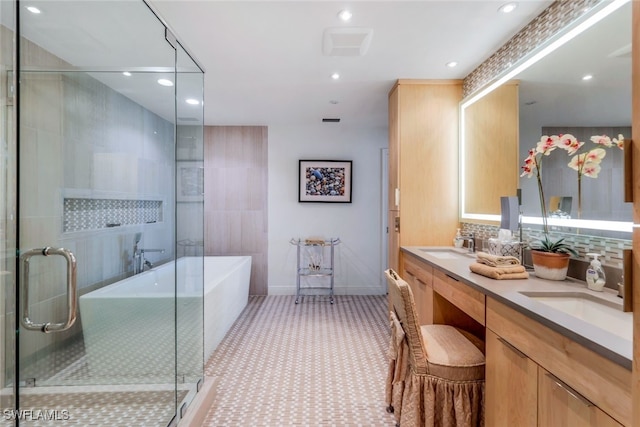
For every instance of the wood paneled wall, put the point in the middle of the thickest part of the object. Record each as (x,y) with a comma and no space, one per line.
(235,202)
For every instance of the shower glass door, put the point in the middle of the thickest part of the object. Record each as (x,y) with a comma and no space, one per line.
(95,279)
(7,212)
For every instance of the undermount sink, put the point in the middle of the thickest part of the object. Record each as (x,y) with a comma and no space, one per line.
(447,253)
(600,312)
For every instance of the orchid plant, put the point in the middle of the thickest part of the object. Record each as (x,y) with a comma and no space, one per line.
(585,163)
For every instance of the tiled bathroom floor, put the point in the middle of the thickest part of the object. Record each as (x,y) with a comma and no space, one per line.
(308,364)
(66,389)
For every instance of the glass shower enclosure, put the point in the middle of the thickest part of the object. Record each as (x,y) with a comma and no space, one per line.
(101,308)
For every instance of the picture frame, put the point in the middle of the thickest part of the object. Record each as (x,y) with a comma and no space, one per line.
(325,181)
(189,181)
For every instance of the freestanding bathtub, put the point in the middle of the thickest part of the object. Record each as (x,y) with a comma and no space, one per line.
(129,327)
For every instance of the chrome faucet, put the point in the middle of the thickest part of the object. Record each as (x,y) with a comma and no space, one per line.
(145,262)
(472,241)
(139,261)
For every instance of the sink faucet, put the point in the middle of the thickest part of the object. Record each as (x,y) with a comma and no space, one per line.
(470,238)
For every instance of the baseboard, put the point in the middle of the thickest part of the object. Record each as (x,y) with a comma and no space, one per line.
(200,406)
(359,290)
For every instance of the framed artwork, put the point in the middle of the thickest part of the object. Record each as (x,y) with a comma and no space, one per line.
(189,181)
(324,181)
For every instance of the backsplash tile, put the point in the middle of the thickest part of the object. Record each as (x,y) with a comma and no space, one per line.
(609,248)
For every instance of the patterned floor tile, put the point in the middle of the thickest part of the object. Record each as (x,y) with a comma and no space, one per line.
(308,364)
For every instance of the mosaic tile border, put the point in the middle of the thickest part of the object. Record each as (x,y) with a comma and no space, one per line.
(535,34)
(80,214)
(610,248)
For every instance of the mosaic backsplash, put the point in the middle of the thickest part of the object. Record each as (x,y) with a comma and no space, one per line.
(96,214)
(610,249)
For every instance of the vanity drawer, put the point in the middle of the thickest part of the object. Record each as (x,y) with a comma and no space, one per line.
(422,271)
(462,296)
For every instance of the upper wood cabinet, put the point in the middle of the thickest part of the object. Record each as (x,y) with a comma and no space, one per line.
(423,162)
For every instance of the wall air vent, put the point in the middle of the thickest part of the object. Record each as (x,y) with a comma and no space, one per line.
(330,120)
(349,41)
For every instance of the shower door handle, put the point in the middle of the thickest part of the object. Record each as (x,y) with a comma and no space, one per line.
(72,290)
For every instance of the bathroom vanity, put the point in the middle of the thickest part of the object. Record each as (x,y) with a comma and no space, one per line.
(556,352)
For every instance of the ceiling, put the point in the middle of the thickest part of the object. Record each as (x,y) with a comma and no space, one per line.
(264,60)
(265,65)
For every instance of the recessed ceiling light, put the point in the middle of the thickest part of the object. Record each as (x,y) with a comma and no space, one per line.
(508,8)
(335,76)
(345,15)
(126,73)
(33,9)
(192,101)
(451,64)
(165,82)
(587,77)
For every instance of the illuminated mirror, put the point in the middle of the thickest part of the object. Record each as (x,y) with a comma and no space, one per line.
(544,94)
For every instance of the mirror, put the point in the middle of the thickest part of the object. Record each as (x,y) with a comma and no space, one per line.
(551,98)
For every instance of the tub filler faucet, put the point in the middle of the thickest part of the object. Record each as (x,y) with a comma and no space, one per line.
(139,260)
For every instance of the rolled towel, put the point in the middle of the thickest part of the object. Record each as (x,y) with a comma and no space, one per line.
(496,260)
(500,273)
(314,242)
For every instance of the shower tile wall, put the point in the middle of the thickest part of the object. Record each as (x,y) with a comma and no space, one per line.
(87,141)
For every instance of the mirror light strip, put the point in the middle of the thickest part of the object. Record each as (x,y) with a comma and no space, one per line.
(623,226)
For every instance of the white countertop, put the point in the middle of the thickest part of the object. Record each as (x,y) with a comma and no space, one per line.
(616,346)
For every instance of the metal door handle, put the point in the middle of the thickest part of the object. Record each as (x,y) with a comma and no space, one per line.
(72,290)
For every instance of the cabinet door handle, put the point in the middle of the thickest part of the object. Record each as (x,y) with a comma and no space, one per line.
(512,348)
(420,281)
(628,171)
(569,390)
(627,262)
(452,278)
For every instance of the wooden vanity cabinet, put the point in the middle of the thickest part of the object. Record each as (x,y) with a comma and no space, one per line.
(511,390)
(535,367)
(560,405)
(519,392)
(419,275)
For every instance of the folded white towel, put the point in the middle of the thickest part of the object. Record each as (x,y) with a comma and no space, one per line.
(496,260)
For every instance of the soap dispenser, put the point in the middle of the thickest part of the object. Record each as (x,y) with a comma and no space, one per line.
(595,274)
(458,241)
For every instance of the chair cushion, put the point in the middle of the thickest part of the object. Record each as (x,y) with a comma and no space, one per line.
(450,355)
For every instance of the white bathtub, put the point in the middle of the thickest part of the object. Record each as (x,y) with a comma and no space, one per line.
(129,326)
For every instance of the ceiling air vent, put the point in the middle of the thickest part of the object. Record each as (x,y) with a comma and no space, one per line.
(330,120)
(349,41)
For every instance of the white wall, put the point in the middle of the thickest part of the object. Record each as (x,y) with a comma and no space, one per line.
(358,224)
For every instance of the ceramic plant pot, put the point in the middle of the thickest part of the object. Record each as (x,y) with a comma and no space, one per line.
(549,265)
